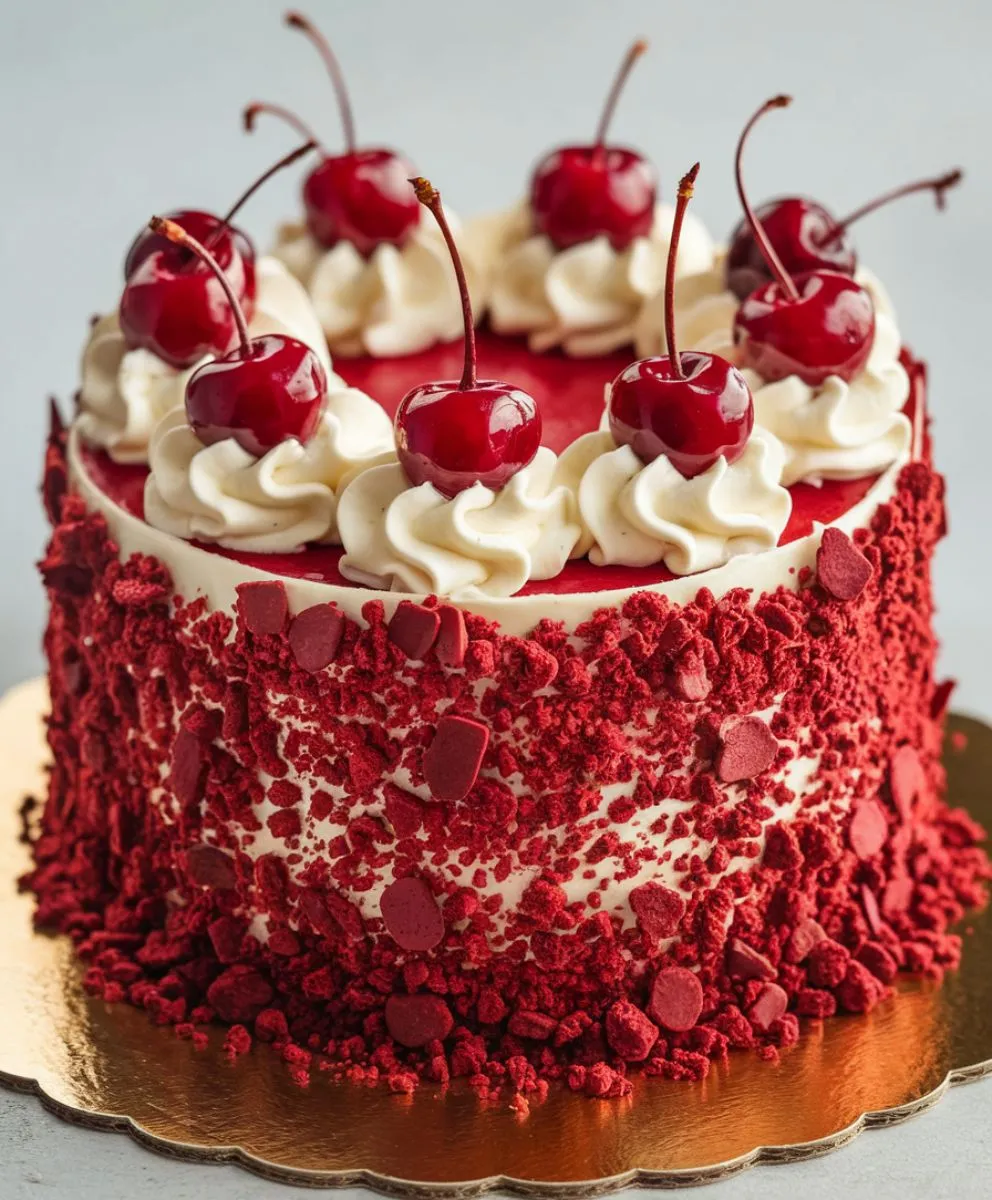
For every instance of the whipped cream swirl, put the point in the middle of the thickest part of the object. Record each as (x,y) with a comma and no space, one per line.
(397,301)
(835,431)
(587,298)
(639,514)
(479,543)
(273,504)
(125,393)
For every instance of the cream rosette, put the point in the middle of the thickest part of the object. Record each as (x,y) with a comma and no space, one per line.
(277,503)
(125,393)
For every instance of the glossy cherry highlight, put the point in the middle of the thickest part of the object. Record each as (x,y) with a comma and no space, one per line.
(689,407)
(819,324)
(578,193)
(454,434)
(361,196)
(264,391)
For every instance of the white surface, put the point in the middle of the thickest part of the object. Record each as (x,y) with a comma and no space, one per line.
(114,111)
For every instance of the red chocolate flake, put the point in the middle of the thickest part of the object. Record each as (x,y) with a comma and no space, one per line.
(807,934)
(841,568)
(454,757)
(769,1005)
(658,909)
(189,767)
(207,866)
(264,606)
(535,1026)
(941,699)
(411,914)
(905,779)
(314,636)
(629,1032)
(870,906)
(414,628)
(226,936)
(676,999)
(868,829)
(748,748)
(879,961)
(744,962)
(452,636)
(331,914)
(415,1021)
(54,482)
(239,994)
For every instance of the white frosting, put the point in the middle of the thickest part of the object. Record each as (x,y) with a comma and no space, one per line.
(585,299)
(125,393)
(835,431)
(641,514)
(397,301)
(276,503)
(479,543)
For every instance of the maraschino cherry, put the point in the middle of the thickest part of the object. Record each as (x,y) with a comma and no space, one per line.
(806,237)
(691,407)
(819,324)
(362,196)
(263,392)
(456,433)
(172,304)
(578,193)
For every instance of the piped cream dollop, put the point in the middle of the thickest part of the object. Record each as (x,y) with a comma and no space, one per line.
(398,301)
(274,504)
(480,543)
(585,299)
(638,514)
(125,393)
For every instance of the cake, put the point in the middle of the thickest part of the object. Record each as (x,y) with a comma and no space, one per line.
(529,737)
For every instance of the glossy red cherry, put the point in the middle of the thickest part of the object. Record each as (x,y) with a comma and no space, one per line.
(263,392)
(690,407)
(456,433)
(581,192)
(820,324)
(362,196)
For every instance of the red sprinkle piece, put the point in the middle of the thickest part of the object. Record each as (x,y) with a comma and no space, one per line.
(411,914)
(807,934)
(454,757)
(209,867)
(188,768)
(629,1032)
(264,606)
(770,1004)
(315,635)
(676,999)
(416,1020)
(868,829)
(841,568)
(906,779)
(748,748)
(239,994)
(658,909)
(744,962)
(414,629)
(452,637)
(941,699)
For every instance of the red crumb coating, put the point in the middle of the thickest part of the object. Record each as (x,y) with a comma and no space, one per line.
(257,903)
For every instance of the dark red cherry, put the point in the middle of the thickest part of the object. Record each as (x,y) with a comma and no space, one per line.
(691,407)
(226,243)
(819,324)
(362,196)
(581,192)
(456,433)
(826,329)
(261,393)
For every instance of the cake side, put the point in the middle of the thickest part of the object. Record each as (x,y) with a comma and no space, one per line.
(428,846)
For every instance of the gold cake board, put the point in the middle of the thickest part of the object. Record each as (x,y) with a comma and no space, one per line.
(109,1068)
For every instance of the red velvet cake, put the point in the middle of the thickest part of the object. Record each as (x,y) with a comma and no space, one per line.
(557,728)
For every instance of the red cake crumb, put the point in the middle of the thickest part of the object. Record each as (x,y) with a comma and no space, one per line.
(178,908)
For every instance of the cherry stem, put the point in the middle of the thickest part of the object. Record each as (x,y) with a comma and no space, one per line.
(298,21)
(247,194)
(251,111)
(430,198)
(764,245)
(938,186)
(686,187)
(175,233)
(619,82)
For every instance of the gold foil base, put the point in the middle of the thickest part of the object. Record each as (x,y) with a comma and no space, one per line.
(108,1067)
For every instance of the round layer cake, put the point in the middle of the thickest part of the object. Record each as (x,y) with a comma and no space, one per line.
(612,762)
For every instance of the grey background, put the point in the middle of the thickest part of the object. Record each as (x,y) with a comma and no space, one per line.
(113,110)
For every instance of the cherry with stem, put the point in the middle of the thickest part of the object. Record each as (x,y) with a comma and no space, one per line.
(687,185)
